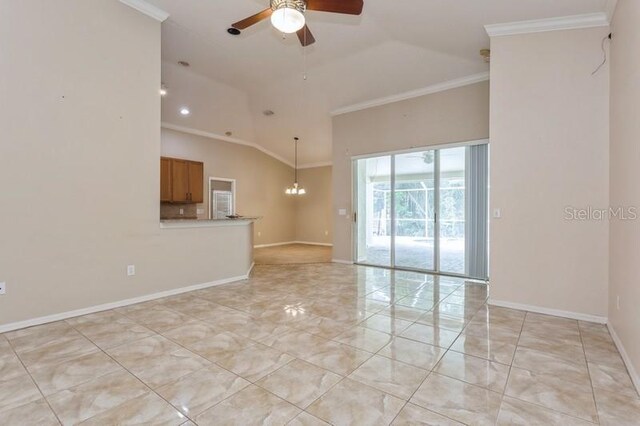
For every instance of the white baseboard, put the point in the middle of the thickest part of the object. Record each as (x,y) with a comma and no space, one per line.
(635,378)
(251,269)
(293,242)
(273,244)
(311,243)
(548,311)
(107,306)
(344,262)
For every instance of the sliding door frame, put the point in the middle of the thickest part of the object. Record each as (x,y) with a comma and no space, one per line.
(436,220)
(394,225)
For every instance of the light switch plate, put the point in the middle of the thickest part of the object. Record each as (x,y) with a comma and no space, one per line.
(131,270)
(3,288)
(497,213)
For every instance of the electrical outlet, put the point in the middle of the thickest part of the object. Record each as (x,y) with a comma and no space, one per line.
(497,213)
(181,211)
(3,288)
(131,270)
(618,302)
(200,211)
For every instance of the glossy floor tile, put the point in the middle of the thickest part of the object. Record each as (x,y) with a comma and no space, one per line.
(317,344)
(458,400)
(251,406)
(352,403)
(299,382)
(474,370)
(390,376)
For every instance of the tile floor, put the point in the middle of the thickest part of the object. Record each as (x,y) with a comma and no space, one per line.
(292,254)
(315,345)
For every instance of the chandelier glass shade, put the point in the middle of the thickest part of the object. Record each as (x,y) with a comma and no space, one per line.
(296,188)
(288,15)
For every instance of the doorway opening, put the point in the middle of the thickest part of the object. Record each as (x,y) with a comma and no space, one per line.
(222,197)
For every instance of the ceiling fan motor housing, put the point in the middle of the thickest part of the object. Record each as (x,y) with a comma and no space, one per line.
(299,5)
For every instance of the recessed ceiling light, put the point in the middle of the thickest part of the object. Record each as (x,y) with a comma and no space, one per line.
(184,63)
(185,111)
(233,31)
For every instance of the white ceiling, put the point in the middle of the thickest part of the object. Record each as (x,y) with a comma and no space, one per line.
(395,46)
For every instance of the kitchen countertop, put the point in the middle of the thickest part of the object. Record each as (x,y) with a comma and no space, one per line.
(203,223)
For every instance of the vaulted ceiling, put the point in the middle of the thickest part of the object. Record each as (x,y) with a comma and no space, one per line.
(395,46)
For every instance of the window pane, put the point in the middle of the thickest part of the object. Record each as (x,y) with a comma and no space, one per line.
(414,210)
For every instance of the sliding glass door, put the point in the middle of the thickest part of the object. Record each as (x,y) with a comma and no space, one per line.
(414,210)
(424,210)
(374,211)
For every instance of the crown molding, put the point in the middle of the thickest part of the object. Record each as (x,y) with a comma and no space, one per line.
(314,165)
(224,138)
(147,8)
(434,88)
(588,20)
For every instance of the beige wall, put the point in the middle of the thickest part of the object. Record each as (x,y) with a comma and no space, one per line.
(455,115)
(549,151)
(79,170)
(260,181)
(625,179)
(313,210)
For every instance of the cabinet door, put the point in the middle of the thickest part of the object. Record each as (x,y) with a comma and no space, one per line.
(196,184)
(179,181)
(165,179)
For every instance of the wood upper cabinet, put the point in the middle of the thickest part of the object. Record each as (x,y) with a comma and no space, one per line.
(181,181)
(196,175)
(165,180)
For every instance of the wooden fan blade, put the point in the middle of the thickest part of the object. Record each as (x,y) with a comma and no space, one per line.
(349,7)
(251,20)
(305,36)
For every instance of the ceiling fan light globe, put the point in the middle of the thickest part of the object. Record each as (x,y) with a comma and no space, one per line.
(287,20)
(301,191)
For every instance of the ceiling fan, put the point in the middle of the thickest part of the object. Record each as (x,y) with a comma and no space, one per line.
(288,15)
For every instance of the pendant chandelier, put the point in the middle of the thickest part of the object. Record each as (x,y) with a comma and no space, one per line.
(296,189)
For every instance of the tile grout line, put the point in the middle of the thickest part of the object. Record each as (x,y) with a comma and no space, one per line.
(229,371)
(34,382)
(431,371)
(593,392)
(360,323)
(392,336)
(513,358)
(130,372)
(553,410)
